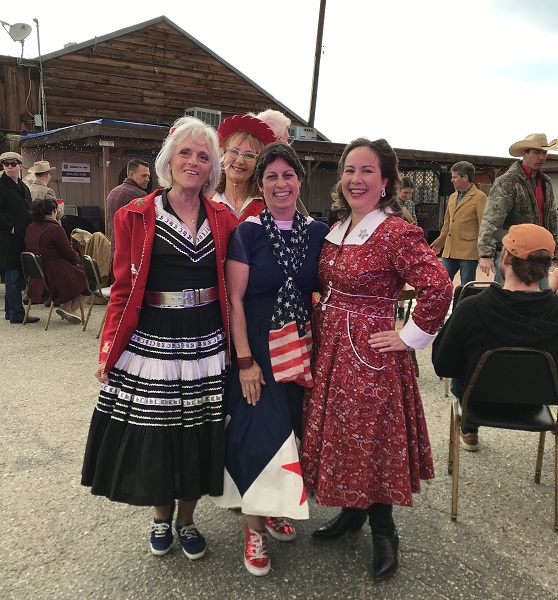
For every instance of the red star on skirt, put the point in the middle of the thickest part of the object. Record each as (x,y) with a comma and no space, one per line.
(295,468)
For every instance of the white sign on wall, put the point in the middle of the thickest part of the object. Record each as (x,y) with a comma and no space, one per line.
(76,172)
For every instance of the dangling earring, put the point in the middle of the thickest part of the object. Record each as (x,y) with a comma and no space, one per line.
(383,194)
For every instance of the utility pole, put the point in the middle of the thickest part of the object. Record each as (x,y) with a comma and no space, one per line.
(317,57)
(41,80)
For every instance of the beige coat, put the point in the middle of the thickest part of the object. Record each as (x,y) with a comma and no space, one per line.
(460,231)
(40,190)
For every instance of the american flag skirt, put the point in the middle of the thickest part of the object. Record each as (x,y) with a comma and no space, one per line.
(290,354)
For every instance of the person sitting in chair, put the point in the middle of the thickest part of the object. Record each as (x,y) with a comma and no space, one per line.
(65,277)
(517,314)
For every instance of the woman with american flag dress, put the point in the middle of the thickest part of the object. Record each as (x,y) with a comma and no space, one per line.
(271,272)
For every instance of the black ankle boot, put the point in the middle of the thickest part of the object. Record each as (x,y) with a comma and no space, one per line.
(349,519)
(386,546)
(385,541)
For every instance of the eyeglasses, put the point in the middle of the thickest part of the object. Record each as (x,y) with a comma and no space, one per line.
(290,140)
(10,163)
(247,156)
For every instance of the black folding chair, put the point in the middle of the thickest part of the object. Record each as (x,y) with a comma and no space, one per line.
(95,287)
(33,268)
(470,289)
(518,402)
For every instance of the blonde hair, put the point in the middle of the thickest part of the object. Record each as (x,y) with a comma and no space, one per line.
(257,146)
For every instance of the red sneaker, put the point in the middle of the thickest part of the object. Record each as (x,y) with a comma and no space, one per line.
(280,529)
(256,558)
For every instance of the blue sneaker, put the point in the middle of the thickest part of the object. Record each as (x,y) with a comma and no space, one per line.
(161,535)
(193,542)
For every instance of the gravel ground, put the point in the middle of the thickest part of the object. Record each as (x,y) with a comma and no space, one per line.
(60,542)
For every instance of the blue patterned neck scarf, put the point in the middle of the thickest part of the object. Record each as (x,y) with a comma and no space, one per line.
(289,305)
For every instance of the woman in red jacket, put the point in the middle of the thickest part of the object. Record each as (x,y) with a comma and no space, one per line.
(242,138)
(156,437)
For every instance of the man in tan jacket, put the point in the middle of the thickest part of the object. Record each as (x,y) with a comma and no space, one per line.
(39,188)
(460,231)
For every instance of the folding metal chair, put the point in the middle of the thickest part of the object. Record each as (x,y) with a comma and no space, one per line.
(516,402)
(33,268)
(96,290)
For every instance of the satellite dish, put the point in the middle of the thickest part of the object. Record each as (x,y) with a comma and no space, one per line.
(19,31)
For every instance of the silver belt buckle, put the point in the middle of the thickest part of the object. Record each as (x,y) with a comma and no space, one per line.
(190,297)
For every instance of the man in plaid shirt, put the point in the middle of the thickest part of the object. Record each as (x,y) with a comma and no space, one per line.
(134,186)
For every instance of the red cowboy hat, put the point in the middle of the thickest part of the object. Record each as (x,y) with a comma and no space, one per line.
(247,124)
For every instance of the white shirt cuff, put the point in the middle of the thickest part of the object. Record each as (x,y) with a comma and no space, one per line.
(414,336)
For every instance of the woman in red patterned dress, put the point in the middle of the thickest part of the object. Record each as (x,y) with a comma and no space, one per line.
(365,443)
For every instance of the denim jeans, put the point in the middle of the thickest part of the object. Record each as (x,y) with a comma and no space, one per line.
(14,283)
(467,268)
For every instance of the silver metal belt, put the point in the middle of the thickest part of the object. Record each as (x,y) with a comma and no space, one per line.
(183,298)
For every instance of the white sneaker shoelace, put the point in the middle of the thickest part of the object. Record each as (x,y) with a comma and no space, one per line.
(160,529)
(189,532)
(257,544)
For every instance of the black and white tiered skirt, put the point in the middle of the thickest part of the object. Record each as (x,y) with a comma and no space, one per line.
(157,432)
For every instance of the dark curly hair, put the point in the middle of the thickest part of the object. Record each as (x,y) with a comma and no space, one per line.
(388,167)
(272,152)
(43,208)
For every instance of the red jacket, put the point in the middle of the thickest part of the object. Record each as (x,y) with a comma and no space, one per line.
(253,209)
(134,227)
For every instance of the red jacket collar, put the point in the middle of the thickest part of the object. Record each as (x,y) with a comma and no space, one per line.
(141,205)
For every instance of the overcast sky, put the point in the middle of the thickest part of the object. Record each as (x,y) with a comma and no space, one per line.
(470,77)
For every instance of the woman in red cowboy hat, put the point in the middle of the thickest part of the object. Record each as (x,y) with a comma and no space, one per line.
(241,138)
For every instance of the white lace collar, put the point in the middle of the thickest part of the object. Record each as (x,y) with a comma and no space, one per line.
(360,233)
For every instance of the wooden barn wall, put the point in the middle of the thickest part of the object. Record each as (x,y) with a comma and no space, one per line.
(148,76)
(83,194)
(18,96)
(318,197)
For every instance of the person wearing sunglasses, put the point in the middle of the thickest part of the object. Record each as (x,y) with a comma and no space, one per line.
(15,201)
(241,139)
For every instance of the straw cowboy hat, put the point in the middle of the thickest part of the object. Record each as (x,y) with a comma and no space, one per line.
(533,141)
(41,166)
(247,124)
